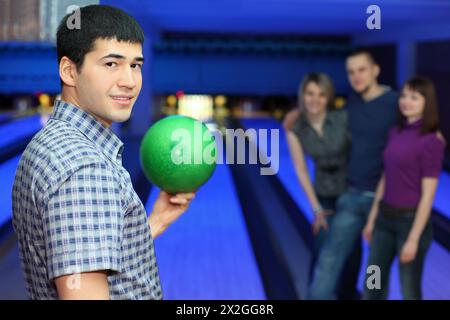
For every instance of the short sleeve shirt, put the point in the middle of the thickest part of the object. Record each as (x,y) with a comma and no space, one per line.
(369,123)
(409,157)
(75,210)
(329,151)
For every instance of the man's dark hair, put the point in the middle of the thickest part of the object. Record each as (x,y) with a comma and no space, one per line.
(363,51)
(97,22)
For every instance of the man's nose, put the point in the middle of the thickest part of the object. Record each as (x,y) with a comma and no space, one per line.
(127,78)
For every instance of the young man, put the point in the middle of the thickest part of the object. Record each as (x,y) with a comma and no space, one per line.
(372,111)
(83,232)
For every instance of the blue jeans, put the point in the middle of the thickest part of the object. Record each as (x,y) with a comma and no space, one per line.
(352,210)
(347,284)
(389,236)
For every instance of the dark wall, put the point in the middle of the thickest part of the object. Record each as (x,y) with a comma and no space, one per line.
(237,67)
(241,74)
(245,65)
(28,68)
(433,61)
(386,56)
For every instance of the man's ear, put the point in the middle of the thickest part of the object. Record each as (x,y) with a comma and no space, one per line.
(376,70)
(67,71)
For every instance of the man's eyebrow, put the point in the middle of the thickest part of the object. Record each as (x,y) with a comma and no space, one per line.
(118,56)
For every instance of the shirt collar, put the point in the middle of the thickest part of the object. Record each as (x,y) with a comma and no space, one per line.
(93,129)
(359,97)
(328,120)
(415,125)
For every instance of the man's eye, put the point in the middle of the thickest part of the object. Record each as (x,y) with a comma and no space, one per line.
(111,64)
(136,66)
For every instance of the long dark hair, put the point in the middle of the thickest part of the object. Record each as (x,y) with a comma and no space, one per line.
(430,117)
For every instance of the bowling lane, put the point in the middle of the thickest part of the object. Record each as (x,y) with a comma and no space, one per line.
(435,278)
(4,118)
(286,172)
(441,202)
(10,133)
(207,253)
(11,277)
(18,129)
(7,172)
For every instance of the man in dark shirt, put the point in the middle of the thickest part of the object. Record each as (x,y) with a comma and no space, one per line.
(372,111)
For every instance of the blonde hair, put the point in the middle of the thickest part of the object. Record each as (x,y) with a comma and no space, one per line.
(323,81)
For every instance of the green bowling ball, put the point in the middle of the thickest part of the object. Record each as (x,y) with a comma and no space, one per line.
(178,154)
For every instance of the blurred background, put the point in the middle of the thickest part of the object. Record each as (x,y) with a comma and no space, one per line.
(230,63)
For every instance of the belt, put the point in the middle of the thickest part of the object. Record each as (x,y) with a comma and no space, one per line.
(391,211)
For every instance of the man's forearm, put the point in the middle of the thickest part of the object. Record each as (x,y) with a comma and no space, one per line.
(156,226)
(422,216)
(429,186)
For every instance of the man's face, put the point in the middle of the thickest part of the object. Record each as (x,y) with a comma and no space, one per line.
(110,80)
(361,72)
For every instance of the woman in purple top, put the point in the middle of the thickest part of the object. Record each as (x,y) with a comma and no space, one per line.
(404,197)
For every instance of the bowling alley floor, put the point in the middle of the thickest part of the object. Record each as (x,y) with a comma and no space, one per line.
(12,284)
(208,255)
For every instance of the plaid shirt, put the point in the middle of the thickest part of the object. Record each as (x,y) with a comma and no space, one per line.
(75,210)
